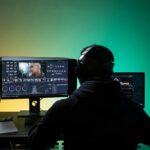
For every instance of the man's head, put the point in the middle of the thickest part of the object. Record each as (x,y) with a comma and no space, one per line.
(36,70)
(95,63)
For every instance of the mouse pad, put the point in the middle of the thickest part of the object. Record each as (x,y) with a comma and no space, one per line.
(7,127)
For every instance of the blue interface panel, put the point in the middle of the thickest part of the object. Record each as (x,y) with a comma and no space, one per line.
(33,78)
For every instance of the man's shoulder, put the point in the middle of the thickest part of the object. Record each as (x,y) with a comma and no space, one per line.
(61,108)
(65,103)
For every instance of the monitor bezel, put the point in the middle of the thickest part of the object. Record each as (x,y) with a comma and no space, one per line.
(143,81)
(72,80)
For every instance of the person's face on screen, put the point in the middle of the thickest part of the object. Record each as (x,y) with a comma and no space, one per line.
(36,70)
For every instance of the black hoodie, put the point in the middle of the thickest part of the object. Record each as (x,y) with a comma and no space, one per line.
(96,116)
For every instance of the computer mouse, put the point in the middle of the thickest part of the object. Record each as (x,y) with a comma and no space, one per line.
(9,118)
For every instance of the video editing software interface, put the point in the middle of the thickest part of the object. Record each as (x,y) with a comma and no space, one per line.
(132,85)
(33,77)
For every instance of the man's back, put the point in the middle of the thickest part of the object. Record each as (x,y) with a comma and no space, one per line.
(96,116)
(101,117)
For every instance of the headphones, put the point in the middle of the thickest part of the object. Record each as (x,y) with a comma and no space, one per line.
(82,71)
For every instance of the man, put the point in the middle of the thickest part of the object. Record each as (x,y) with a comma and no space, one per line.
(97,115)
(35,70)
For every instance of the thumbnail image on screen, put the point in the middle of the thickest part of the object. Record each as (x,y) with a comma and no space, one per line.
(132,85)
(35,69)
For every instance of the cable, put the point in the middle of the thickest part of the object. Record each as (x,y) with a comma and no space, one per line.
(10,146)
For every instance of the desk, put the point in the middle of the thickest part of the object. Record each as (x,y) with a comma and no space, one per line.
(20,137)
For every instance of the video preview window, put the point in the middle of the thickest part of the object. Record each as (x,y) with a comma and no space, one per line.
(32,70)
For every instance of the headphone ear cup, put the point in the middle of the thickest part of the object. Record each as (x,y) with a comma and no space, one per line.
(81,72)
(78,71)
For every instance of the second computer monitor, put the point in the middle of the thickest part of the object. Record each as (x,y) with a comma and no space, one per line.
(133,85)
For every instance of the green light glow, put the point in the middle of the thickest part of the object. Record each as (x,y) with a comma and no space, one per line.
(63,28)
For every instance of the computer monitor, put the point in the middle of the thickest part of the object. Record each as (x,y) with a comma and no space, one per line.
(133,85)
(35,78)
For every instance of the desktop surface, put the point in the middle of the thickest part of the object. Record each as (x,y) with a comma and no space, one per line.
(22,133)
(21,137)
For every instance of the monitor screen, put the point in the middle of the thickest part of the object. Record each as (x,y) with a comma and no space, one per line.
(37,77)
(132,84)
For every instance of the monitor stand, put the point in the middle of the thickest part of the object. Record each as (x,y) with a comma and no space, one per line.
(34,109)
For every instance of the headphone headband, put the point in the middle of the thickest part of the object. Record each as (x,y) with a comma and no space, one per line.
(85,51)
(98,52)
